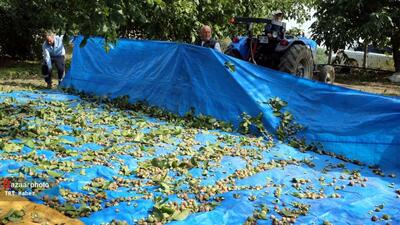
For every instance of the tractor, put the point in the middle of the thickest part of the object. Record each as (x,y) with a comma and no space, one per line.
(274,50)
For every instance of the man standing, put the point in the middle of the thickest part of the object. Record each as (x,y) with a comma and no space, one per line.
(277,17)
(53,53)
(206,39)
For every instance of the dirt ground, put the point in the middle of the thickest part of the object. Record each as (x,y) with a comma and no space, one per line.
(369,81)
(34,214)
(383,88)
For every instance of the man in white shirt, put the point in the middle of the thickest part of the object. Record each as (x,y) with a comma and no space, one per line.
(207,40)
(53,53)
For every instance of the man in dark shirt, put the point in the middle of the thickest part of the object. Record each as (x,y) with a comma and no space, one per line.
(207,40)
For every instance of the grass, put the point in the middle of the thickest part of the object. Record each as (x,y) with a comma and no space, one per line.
(23,75)
(20,70)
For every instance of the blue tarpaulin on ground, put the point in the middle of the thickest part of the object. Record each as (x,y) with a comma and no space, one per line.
(177,77)
(355,206)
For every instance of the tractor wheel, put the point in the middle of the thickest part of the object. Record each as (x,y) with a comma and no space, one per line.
(297,60)
(233,52)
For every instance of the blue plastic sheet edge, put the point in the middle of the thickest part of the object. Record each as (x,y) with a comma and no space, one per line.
(176,76)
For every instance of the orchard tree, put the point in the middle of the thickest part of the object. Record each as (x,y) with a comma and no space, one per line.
(343,23)
(295,32)
(180,20)
(331,29)
(21,23)
(175,20)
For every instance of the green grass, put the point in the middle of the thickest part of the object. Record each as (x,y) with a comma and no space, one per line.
(27,69)
(23,75)
(20,70)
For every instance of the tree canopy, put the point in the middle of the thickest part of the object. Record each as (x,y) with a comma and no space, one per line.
(343,23)
(21,21)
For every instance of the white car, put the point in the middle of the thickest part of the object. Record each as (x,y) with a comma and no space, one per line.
(354,57)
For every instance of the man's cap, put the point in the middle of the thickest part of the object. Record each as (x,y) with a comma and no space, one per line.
(276,12)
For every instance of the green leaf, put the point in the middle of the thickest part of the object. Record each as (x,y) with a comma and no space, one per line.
(107,48)
(215,204)
(165,186)
(71,152)
(29,143)
(13,171)
(84,42)
(54,174)
(12,216)
(288,213)
(67,207)
(11,147)
(181,215)
(63,192)
(9,213)
(84,208)
(277,114)
(298,195)
(138,137)
(87,158)
(162,201)
(125,170)
(65,141)
(168,210)
(230,66)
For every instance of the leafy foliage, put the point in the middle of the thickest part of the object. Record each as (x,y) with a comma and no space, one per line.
(12,216)
(287,128)
(295,32)
(343,23)
(190,119)
(20,25)
(21,21)
(248,122)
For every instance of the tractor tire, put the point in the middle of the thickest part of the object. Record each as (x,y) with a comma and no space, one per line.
(233,52)
(297,60)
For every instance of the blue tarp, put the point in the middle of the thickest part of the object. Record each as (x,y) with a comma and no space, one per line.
(177,77)
(355,206)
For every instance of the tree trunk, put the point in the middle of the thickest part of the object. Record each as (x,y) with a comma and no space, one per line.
(365,54)
(330,56)
(396,50)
